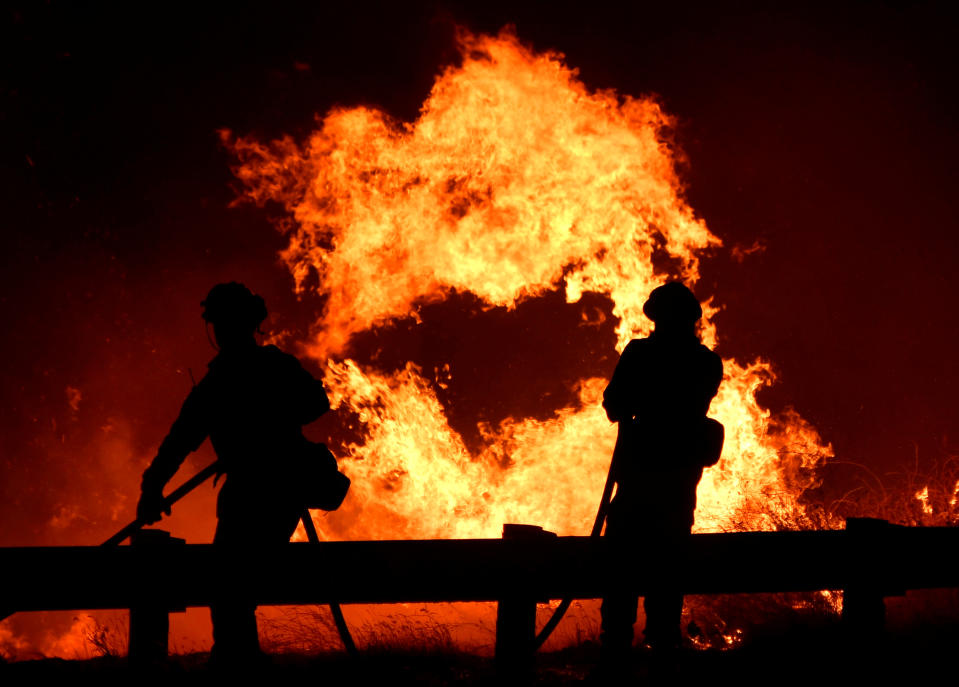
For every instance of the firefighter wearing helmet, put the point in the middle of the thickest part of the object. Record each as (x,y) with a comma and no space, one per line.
(252,404)
(659,394)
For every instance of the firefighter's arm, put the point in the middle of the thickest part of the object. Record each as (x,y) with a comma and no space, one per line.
(715,375)
(185,436)
(616,464)
(616,396)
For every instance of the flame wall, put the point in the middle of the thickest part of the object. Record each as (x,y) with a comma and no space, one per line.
(515,181)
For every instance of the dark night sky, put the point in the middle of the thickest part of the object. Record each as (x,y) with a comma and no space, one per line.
(825,134)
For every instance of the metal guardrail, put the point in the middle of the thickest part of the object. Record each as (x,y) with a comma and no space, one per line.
(868,560)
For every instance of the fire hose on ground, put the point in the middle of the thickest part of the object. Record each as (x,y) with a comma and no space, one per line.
(711,446)
(601,513)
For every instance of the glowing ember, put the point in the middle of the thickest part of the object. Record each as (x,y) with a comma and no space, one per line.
(515,181)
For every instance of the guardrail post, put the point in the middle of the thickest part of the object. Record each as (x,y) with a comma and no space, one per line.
(149,616)
(516,618)
(863,602)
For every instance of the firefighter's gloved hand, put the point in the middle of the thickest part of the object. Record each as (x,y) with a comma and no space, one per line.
(151,506)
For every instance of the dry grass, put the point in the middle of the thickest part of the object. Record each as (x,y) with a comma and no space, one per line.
(108,637)
(910,497)
(303,630)
(309,630)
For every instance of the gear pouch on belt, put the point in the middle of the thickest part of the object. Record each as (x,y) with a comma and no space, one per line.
(710,442)
(324,485)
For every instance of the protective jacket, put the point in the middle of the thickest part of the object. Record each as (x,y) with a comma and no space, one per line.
(660,393)
(252,404)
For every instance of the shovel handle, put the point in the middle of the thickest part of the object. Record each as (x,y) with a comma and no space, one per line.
(174,496)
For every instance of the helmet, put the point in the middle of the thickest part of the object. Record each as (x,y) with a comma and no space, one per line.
(672,301)
(234,303)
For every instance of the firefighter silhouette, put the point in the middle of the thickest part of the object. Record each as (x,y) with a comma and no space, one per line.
(251,403)
(659,394)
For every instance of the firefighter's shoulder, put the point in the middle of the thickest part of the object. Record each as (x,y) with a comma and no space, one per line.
(638,347)
(280,359)
(712,360)
(276,356)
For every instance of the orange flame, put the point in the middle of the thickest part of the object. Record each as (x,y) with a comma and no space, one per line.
(515,180)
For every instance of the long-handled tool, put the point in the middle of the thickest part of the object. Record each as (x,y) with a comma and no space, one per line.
(168,501)
(184,489)
(198,479)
